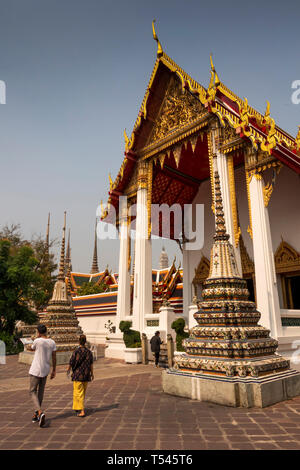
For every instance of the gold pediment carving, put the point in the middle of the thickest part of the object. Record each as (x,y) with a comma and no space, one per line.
(178,108)
(202,271)
(287,259)
(246,261)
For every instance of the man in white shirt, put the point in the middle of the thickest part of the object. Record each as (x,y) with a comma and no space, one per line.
(45,350)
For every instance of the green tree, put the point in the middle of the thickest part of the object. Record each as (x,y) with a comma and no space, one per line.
(89,288)
(45,266)
(20,285)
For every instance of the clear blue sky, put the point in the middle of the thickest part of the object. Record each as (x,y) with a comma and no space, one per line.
(76,72)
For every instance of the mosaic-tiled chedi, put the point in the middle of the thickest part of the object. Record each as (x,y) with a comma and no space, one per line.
(228,340)
(60,320)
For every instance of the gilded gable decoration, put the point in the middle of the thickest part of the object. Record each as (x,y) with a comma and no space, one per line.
(193,141)
(177,154)
(246,261)
(287,259)
(202,271)
(178,108)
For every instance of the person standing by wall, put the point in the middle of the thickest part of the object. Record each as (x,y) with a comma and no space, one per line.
(155,343)
(81,363)
(45,350)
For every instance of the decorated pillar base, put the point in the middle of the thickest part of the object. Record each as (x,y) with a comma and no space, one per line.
(115,346)
(62,357)
(246,392)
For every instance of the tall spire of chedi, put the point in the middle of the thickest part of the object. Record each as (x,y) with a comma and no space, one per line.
(47,241)
(95,268)
(68,267)
(68,263)
(228,340)
(60,320)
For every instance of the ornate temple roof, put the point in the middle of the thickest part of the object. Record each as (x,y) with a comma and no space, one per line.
(217,100)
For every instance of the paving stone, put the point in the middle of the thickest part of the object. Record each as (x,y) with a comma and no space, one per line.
(131,412)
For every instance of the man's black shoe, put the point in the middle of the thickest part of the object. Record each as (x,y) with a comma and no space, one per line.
(42,419)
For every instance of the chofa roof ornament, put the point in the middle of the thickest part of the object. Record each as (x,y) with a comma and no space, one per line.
(159,48)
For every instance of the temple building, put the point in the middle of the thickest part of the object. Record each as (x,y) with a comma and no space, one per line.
(94,311)
(185,132)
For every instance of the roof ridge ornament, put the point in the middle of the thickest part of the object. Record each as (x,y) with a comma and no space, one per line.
(213,85)
(267,112)
(155,37)
(271,140)
(213,69)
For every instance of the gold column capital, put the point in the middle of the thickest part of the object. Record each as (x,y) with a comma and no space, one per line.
(142,177)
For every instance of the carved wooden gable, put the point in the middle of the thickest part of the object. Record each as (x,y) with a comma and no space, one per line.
(287,259)
(202,271)
(178,108)
(247,262)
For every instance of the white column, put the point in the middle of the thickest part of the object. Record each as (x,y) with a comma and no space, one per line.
(115,344)
(142,295)
(265,275)
(187,282)
(123,303)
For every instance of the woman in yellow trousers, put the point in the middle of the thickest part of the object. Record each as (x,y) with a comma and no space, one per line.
(81,363)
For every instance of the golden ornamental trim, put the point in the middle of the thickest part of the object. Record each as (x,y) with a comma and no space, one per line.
(267,193)
(174,137)
(178,108)
(248,180)
(298,140)
(149,195)
(129,244)
(211,169)
(142,175)
(236,227)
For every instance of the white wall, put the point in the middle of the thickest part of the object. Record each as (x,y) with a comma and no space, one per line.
(93,327)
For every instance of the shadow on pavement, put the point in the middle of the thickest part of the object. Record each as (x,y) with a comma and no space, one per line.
(71,413)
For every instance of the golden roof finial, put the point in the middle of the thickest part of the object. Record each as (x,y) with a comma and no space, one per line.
(211,63)
(126,139)
(159,48)
(267,117)
(110,181)
(213,69)
(267,112)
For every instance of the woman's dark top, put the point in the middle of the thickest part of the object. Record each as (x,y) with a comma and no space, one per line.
(80,362)
(155,343)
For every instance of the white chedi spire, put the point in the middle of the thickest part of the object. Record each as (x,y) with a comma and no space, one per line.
(163,259)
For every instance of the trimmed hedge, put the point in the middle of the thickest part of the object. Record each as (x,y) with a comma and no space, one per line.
(178,325)
(131,338)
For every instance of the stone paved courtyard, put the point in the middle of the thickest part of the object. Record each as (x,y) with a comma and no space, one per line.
(127,410)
